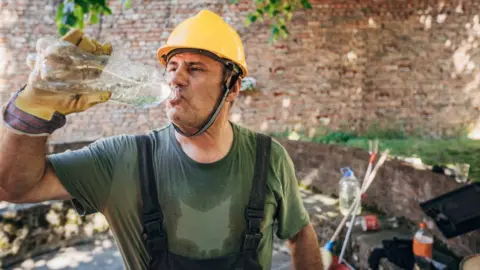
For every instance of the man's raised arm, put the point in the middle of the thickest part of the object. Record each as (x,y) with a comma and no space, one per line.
(36,111)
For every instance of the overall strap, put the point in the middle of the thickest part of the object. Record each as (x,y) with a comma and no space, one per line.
(152,216)
(255,211)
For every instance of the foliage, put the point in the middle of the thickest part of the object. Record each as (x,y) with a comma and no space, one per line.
(279,12)
(442,152)
(331,137)
(74,14)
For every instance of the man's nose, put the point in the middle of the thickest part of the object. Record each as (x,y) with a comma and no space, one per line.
(178,77)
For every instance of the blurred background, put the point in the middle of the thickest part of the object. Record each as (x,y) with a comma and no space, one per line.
(322,72)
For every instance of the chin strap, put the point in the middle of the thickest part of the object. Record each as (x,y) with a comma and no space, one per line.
(226,89)
(211,119)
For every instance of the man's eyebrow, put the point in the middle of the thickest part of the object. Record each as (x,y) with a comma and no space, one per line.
(196,63)
(189,63)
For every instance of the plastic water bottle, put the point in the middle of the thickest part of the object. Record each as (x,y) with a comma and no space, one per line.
(349,190)
(374,223)
(62,67)
(423,248)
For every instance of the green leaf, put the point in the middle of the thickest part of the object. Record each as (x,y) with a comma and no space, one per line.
(128,3)
(275,30)
(267,8)
(289,16)
(84,5)
(252,18)
(284,31)
(259,11)
(58,17)
(69,19)
(306,4)
(93,17)
(107,10)
(79,15)
(62,30)
(97,8)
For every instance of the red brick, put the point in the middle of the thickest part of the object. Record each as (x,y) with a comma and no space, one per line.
(315,72)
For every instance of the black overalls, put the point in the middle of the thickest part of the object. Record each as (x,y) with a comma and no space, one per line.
(156,239)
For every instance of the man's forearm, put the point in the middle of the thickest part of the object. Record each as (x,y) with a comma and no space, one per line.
(305,251)
(22,163)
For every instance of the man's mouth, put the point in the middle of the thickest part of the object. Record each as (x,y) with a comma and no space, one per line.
(175,100)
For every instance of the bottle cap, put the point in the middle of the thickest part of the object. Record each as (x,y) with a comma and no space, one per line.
(423,225)
(347,172)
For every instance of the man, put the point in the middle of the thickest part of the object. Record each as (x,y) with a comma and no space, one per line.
(186,196)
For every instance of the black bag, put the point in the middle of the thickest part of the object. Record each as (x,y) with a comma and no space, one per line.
(397,251)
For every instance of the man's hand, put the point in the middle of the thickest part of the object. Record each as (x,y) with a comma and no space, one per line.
(57,84)
(305,250)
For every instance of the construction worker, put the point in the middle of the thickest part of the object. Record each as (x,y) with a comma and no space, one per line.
(199,193)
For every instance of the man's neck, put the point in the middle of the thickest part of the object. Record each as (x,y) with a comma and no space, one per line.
(210,146)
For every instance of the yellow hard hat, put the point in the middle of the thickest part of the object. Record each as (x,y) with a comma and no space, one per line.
(206,31)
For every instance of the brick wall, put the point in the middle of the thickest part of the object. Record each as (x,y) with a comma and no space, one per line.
(345,64)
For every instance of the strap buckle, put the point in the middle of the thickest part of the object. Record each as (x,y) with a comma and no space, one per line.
(155,237)
(252,240)
(254,218)
(153,228)
(253,213)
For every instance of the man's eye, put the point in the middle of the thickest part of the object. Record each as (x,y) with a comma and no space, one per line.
(195,69)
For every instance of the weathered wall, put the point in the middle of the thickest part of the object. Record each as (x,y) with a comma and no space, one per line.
(351,63)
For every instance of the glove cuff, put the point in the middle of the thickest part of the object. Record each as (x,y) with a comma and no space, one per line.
(26,123)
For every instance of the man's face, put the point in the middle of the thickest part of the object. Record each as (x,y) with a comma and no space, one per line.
(196,82)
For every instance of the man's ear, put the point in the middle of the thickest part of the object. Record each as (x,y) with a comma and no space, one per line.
(234,91)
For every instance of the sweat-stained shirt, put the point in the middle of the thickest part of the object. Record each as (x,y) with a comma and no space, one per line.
(203,203)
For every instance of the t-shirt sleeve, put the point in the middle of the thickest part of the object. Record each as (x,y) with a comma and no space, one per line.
(87,173)
(291,213)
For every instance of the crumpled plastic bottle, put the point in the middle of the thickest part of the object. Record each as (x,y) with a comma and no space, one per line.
(60,66)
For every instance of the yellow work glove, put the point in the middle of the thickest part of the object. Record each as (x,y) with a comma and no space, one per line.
(58,84)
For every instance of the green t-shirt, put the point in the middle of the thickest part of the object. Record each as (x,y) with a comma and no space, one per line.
(203,204)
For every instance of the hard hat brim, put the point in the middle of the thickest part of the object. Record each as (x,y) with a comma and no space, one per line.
(163,52)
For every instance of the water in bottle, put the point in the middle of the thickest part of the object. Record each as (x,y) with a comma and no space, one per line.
(60,66)
(423,248)
(349,190)
(132,82)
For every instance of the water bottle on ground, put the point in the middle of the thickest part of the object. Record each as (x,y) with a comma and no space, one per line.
(423,248)
(349,190)
(374,223)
